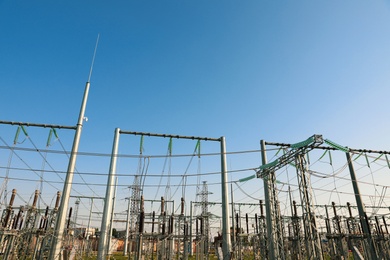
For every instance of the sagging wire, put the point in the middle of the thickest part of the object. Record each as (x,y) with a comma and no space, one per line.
(75,169)
(28,167)
(5,182)
(162,174)
(48,144)
(243,191)
(184,176)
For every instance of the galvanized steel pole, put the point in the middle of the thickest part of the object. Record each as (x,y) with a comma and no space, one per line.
(55,252)
(271,243)
(226,245)
(105,226)
(362,212)
(112,216)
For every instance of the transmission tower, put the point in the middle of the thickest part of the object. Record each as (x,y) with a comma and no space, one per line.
(204,221)
(297,153)
(134,206)
(205,215)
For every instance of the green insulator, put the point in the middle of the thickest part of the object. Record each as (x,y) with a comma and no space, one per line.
(55,133)
(337,146)
(368,163)
(170,146)
(17,135)
(247,178)
(197,148)
(49,137)
(387,160)
(322,156)
(307,142)
(378,157)
(268,165)
(24,131)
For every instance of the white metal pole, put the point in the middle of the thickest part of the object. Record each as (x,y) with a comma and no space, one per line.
(104,229)
(226,245)
(112,217)
(55,252)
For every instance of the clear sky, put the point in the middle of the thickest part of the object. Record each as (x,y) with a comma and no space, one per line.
(247,70)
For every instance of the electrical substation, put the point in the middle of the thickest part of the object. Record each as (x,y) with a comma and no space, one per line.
(163,196)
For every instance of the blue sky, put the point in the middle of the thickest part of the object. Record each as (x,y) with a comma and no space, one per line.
(247,70)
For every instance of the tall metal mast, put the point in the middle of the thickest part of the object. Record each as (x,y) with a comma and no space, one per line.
(105,227)
(55,252)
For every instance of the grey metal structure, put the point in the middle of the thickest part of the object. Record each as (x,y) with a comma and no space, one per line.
(274,225)
(108,202)
(134,209)
(312,238)
(61,217)
(275,245)
(226,246)
(372,254)
(204,220)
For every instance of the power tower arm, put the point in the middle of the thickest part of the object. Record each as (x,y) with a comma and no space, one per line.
(289,157)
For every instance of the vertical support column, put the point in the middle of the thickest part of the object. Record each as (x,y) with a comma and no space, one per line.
(127,228)
(233,226)
(87,231)
(108,200)
(112,217)
(296,233)
(191,242)
(55,252)
(274,232)
(141,221)
(361,209)
(263,233)
(89,221)
(233,223)
(226,246)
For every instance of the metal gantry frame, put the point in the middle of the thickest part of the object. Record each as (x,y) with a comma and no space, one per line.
(108,201)
(297,153)
(367,237)
(274,223)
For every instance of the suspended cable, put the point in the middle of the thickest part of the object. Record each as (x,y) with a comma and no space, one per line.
(75,169)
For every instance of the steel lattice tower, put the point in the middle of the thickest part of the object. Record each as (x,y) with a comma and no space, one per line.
(205,225)
(313,243)
(134,204)
(297,153)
